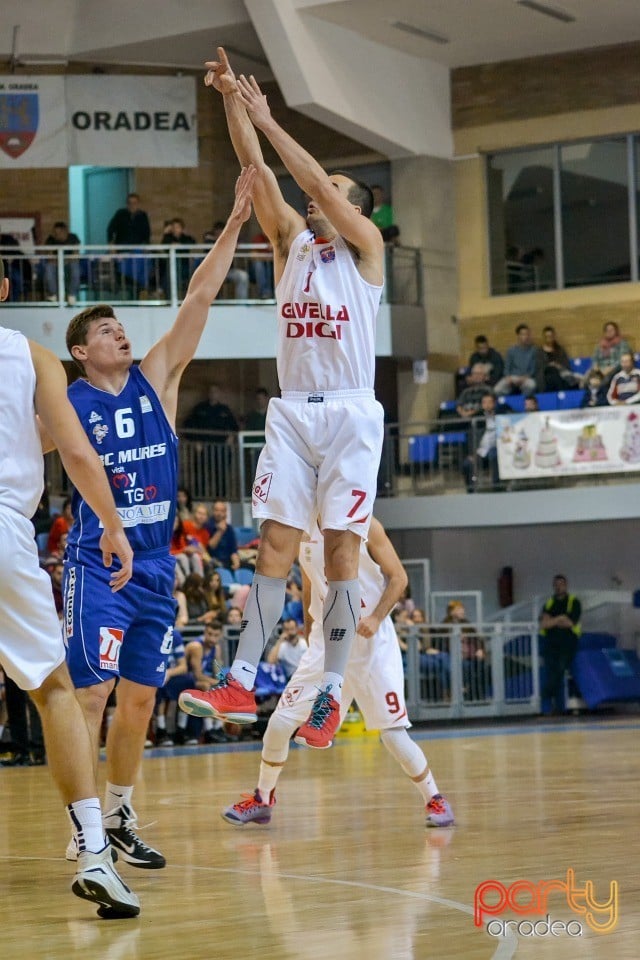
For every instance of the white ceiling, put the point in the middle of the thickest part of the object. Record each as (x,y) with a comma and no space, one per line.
(182,33)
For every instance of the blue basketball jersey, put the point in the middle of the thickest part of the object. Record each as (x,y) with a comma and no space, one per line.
(139,451)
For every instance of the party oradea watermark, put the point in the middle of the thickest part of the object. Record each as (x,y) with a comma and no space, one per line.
(530,901)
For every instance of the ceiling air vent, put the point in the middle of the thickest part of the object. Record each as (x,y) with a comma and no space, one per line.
(419,32)
(547,11)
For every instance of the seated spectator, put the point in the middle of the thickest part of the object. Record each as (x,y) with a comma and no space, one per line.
(486,454)
(204,657)
(222,544)
(198,529)
(293,608)
(521,368)
(237,276)
(288,648)
(257,418)
(489,357)
(215,593)
(469,403)
(556,365)
(607,354)
(176,679)
(187,551)
(531,405)
(595,394)
(435,663)
(175,235)
(60,237)
(60,528)
(197,599)
(475,671)
(625,384)
(185,503)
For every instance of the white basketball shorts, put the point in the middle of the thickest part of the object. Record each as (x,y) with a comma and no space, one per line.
(374,679)
(31,644)
(321,458)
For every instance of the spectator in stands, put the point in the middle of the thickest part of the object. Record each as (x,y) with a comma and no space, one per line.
(27,742)
(625,384)
(175,681)
(476,675)
(595,393)
(469,403)
(288,648)
(203,655)
(293,607)
(59,528)
(487,355)
(556,364)
(522,365)
(18,268)
(256,418)
(175,235)
(213,417)
(237,276)
(197,528)
(559,631)
(197,599)
(187,550)
(608,352)
(382,215)
(486,454)
(531,405)
(215,593)
(130,224)
(223,544)
(60,237)
(184,503)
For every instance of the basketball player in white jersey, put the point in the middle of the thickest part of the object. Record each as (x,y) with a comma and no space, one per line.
(324,436)
(374,678)
(32,653)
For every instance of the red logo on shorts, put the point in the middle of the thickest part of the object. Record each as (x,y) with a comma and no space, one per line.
(290,696)
(261,487)
(110,642)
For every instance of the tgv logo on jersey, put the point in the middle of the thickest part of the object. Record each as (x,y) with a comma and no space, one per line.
(309,312)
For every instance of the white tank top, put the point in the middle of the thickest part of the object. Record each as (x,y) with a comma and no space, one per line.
(372,580)
(326,319)
(21,465)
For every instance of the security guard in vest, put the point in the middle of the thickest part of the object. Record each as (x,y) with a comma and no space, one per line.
(560,631)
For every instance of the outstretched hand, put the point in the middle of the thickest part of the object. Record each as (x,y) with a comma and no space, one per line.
(219,74)
(254,100)
(244,192)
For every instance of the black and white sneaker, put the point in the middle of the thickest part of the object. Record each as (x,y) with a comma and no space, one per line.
(118,825)
(97,880)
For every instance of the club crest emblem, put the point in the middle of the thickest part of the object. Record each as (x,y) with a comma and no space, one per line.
(19,116)
(100,431)
(328,254)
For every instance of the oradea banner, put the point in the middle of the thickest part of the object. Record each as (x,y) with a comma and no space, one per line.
(97,120)
(563,443)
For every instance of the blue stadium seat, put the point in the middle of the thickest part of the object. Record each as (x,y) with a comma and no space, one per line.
(570,399)
(425,448)
(42,540)
(514,403)
(580,364)
(245,535)
(226,577)
(547,401)
(448,405)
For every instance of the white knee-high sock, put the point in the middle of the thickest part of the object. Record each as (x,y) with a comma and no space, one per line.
(412,760)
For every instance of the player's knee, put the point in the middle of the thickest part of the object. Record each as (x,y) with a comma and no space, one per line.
(275,742)
(341,554)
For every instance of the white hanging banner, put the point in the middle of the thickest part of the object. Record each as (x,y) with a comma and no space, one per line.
(564,443)
(130,121)
(97,120)
(32,122)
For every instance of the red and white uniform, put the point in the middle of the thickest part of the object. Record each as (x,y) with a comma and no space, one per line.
(31,638)
(324,436)
(374,676)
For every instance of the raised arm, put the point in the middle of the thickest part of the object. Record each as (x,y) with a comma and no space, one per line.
(312,179)
(279,221)
(79,458)
(164,364)
(382,552)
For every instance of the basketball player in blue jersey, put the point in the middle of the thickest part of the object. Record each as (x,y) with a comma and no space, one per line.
(128,413)
(32,381)
(324,434)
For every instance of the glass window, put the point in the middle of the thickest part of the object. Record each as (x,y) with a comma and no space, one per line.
(595,212)
(522,241)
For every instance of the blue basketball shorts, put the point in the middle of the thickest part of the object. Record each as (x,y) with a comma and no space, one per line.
(125,634)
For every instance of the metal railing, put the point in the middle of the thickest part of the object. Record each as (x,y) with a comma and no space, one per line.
(471,670)
(158,274)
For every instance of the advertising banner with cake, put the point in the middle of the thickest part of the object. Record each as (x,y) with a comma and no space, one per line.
(563,443)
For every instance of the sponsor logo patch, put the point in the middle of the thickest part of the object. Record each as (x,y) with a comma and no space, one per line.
(261,487)
(110,643)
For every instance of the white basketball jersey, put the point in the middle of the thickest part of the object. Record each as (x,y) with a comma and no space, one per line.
(326,319)
(21,465)
(371,577)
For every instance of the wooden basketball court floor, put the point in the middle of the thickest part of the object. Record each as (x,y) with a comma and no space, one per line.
(346,869)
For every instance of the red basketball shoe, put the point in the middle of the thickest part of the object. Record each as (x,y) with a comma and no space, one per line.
(319,730)
(228,701)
